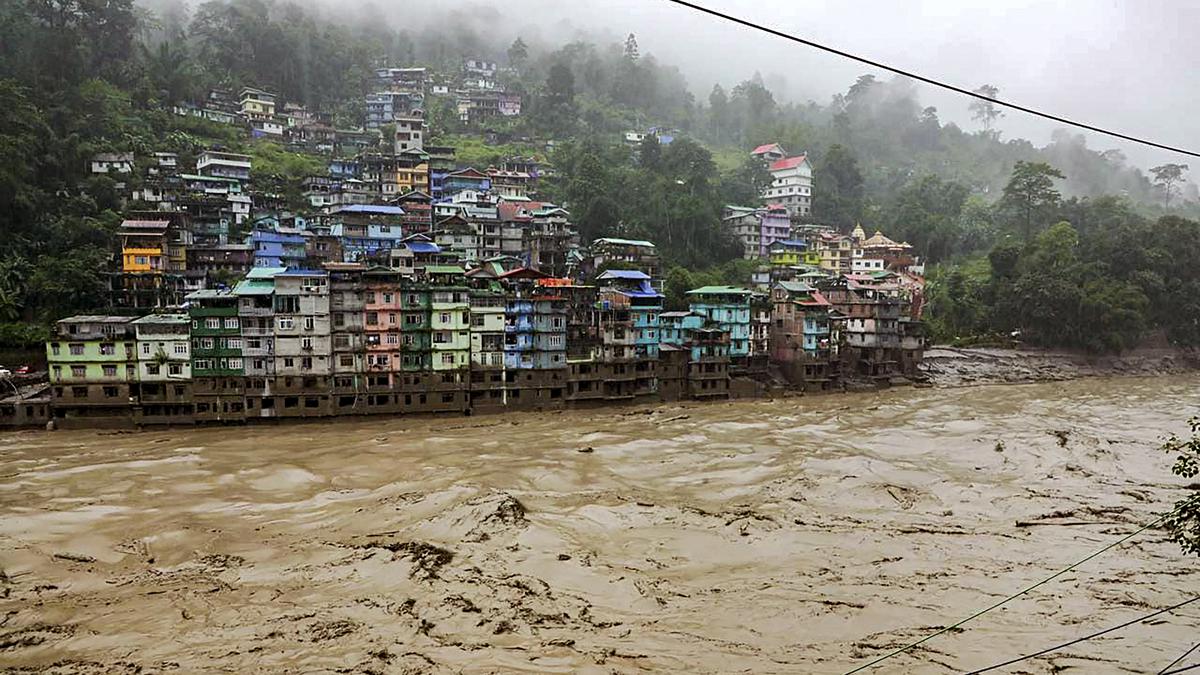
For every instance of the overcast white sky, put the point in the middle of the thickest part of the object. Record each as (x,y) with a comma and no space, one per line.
(1127,65)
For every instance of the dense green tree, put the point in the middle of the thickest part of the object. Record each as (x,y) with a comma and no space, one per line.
(837,189)
(1167,177)
(517,53)
(1030,194)
(984,111)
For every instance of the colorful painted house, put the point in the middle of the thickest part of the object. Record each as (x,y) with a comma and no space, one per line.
(728,307)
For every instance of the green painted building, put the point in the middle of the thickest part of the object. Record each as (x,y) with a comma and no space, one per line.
(449,317)
(216,334)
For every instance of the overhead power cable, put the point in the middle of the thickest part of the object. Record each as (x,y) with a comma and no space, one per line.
(929,80)
(1010,598)
(1180,670)
(1177,660)
(1085,637)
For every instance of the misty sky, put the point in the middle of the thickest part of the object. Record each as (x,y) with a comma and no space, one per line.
(1124,65)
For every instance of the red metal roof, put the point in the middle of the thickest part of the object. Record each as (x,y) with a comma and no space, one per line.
(765,148)
(788,163)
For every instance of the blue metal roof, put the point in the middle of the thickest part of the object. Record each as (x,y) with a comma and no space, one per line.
(422,246)
(371,208)
(636,275)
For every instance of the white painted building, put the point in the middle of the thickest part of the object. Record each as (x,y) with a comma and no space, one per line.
(791,185)
(164,351)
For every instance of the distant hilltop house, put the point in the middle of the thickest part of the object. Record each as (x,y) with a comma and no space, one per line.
(791,179)
(257,104)
(112,162)
(480,68)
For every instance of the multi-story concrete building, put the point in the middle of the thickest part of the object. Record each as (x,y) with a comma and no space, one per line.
(757,228)
(93,370)
(628,327)
(218,390)
(642,255)
(256,314)
(728,308)
(163,392)
(450,318)
(303,342)
(791,185)
(381,325)
(257,104)
(214,163)
(487,344)
(154,247)
(347,303)
(694,357)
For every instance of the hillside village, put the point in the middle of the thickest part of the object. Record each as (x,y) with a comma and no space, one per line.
(408,281)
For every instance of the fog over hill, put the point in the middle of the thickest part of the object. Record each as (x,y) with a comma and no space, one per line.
(1117,65)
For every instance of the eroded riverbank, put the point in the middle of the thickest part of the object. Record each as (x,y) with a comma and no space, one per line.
(798,535)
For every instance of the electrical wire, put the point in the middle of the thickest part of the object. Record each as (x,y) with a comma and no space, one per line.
(929,80)
(1180,658)
(1010,598)
(1180,670)
(1085,637)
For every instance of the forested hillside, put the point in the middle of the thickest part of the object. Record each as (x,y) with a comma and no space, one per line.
(78,78)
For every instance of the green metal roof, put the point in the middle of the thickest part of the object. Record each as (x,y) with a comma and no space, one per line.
(795,286)
(719,290)
(444,269)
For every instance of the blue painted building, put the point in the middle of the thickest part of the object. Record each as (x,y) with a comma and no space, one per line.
(644,307)
(367,231)
(277,246)
(728,308)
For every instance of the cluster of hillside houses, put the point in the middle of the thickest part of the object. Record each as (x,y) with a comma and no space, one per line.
(413,285)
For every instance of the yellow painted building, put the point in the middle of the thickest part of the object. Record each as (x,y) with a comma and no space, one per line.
(141,260)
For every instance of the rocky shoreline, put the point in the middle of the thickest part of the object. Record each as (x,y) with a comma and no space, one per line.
(956,367)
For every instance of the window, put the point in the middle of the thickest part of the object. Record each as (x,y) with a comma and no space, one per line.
(412,299)
(110,392)
(409,340)
(346,360)
(412,319)
(180,349)
(79,392)
(260,364)
(391,318)
(153,369)
(309,323)
(145,348)
(393,339)
(57,372)
(106,349)
(233,343)
(212,322)
(440,338)
(110,371)
(253,343)
(54,347)
(231,323)
(466,318)
(306,363)
(287,323)
(289,362)
(175,369)
(372,318)
(130,371)
(448,359)
(556,340)
(78,371)
(206,343)
(235,363)
(306,343)
(387,298)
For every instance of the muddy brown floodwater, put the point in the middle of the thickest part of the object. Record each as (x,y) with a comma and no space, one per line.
(796,535)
